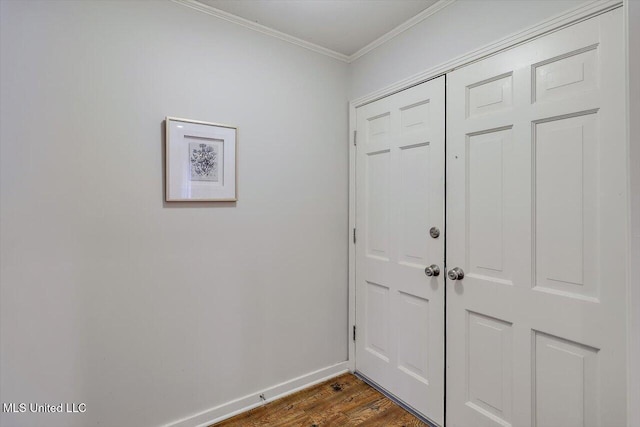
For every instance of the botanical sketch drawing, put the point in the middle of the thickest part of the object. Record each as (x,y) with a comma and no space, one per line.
(204,160)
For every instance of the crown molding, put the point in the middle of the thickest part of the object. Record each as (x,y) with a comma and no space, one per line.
(583,11)
(193,4)
(210,10)
(434,8)
(554,23)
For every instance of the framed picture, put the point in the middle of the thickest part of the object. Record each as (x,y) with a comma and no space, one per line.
(201,161)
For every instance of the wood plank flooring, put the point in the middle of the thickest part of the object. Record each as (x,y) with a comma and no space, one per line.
(343,401)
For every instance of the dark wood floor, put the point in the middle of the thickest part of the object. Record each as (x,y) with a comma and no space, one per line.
(341,402)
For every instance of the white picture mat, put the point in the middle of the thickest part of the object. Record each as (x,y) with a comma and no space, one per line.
(180,187)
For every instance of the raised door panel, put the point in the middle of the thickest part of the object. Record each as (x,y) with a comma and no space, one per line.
(487,171)
(566,75)
(377,208)
(377,317)
(566,207)
(491,95)
(565,382)
(413,322)
(489,368)
(413,205)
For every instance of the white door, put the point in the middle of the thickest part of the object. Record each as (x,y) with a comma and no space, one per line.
(399,199)
(536,219)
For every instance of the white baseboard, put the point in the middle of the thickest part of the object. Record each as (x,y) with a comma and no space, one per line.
(237,406)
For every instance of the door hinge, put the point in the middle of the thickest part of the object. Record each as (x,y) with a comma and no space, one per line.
(355,137)
(354,332)
(354,236)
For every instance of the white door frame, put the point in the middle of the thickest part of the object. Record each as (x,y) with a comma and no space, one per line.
(554,23)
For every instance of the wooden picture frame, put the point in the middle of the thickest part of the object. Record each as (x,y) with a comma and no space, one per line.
(200,161)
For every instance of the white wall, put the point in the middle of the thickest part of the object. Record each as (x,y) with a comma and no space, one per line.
(150,312)
(633,32)
(146,311)
(461,27)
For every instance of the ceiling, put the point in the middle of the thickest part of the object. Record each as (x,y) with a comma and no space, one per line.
(343,26)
